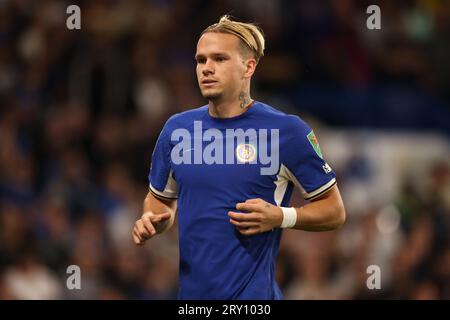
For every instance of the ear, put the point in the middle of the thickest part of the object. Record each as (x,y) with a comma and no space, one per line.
(249,68)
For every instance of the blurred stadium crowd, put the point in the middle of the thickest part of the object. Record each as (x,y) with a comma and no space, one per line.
(80,112)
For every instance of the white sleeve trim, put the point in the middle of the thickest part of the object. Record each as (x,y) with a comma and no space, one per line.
(322,189)
(286,173)
(170,191)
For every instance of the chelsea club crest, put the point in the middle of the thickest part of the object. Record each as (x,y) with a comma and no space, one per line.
(246,153)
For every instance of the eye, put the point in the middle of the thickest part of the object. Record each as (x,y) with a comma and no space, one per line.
(201,60)
(220,59)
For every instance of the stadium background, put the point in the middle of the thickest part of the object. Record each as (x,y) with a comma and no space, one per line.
(81,110)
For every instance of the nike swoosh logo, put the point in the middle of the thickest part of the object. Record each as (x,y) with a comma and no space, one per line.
(184,151)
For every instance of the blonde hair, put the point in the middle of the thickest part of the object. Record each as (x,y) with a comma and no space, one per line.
(251,35)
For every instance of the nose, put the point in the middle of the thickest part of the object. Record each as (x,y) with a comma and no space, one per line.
(208,68)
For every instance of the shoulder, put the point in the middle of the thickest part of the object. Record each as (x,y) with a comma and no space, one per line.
(283,120)
(185,118)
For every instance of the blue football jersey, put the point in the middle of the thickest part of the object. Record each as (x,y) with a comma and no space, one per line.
(209,165)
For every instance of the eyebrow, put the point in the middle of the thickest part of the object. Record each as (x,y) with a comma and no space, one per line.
(216,54)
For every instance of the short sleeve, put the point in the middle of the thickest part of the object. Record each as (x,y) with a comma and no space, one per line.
(303,161)
(161,181)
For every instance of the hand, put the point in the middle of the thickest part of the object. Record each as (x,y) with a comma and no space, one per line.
(147,226)
(262,217)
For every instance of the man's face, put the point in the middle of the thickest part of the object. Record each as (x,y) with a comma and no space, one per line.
(220,66)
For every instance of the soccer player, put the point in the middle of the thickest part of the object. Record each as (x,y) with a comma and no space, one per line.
(228,168)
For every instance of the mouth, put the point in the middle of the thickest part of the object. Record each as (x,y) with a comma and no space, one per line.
(208,82)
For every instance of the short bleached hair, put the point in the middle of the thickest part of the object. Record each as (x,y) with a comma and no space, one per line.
(252,36)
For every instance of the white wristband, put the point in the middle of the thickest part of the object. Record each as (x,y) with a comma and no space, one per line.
(289,217)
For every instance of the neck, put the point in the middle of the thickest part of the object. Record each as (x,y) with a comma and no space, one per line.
(232,108)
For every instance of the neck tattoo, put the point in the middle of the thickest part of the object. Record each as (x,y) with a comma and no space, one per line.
(245,100)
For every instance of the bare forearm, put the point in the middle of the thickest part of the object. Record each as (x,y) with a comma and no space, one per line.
(324,213)
(159,206)
(328,214)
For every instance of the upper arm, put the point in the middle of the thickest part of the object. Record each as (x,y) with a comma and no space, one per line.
(332,196)
(332,200)
(158,203)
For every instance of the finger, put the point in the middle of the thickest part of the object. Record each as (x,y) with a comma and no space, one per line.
(249,231)
(142,231)
(246,206)
(257,200)
(148,226)
(136,238)
(245,224)
(253,216)
(160,217)
(136,232)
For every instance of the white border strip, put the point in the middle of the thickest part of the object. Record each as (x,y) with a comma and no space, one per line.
(318,191)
